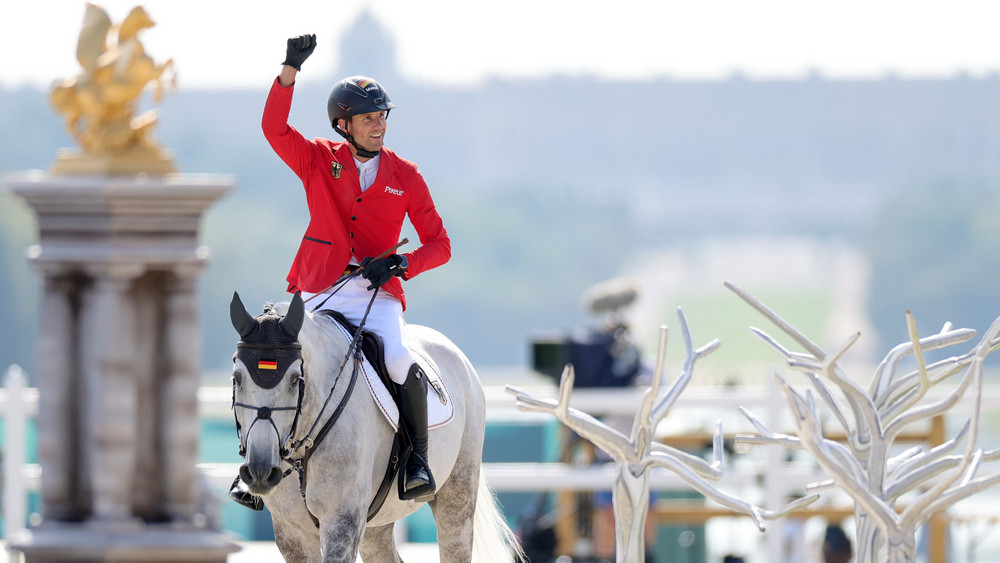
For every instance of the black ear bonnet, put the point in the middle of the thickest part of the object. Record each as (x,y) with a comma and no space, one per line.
(269,343)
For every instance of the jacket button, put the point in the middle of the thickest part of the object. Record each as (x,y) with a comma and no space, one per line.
(354,217)
(358,200)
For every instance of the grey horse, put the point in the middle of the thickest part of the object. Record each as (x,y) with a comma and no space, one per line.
(298,377)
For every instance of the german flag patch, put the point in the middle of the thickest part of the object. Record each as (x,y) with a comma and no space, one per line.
(267,364)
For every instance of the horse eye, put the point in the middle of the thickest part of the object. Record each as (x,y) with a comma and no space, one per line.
(237,378)
(296,373)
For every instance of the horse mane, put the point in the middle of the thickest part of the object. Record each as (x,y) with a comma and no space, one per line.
(273,310)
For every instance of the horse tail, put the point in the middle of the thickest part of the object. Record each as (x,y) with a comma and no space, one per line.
(493,540)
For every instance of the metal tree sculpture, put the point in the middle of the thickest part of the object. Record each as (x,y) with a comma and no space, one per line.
(873,419)
(637,454)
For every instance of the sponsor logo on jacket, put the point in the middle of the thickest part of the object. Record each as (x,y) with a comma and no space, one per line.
(393,191)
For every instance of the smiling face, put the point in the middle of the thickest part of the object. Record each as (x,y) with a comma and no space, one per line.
(368,130)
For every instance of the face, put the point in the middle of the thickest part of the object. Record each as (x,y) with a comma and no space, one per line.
(267,388)
(264,437)
(368,130)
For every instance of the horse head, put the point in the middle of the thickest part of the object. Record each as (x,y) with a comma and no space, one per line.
(268,386)
(137,20)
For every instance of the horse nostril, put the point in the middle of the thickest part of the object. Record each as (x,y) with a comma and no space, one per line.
(274,477)
(245,474)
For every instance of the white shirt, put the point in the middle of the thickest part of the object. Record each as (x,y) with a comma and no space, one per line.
(366,174)
(367,171)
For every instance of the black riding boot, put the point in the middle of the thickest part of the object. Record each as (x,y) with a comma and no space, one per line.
(416,481)
(241,494)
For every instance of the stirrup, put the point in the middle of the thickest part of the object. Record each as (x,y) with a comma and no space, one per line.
(422,492)
(239,493)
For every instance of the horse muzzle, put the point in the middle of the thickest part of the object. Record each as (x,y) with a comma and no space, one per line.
(260,478)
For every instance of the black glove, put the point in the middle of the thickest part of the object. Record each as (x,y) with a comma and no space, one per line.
(380,270)
(298,50)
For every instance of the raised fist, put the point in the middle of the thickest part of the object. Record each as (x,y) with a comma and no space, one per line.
(298,50)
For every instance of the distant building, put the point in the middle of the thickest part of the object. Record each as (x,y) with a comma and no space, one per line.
(367,48)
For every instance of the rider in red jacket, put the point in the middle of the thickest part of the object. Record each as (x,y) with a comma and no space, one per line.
(345,222)
(358,193)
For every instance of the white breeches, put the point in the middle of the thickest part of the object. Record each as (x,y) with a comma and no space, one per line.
(385,319)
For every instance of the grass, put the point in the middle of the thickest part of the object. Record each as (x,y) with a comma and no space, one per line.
(719,313)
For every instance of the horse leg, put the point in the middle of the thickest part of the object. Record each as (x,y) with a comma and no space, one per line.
(340,535)
(296,543)
(454,507)
(379,546)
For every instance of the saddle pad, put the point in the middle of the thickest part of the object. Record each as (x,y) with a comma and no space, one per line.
(440,408)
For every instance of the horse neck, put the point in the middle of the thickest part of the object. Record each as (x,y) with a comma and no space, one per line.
(323,356)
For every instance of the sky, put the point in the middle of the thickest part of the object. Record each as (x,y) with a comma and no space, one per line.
(229,43)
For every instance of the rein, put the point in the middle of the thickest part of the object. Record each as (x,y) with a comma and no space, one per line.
(355,348)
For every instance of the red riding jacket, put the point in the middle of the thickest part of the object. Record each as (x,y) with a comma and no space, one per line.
(345,222)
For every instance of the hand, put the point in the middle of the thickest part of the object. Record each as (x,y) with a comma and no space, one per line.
(298,50)
(380,270)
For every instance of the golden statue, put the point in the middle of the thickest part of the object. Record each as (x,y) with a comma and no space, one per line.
(100,102)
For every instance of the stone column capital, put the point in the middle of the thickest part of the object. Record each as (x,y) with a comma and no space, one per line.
(122,272)
(187,272)
(54,271)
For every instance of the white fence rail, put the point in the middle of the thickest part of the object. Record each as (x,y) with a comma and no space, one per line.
(15,408)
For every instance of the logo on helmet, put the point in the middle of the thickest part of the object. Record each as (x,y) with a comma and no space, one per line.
(369,85)
(357,88)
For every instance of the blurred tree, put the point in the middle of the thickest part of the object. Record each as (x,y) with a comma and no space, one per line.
(18,286)
(934,251)
(32,131)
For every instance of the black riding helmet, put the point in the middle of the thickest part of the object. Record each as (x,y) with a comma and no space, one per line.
(353,96)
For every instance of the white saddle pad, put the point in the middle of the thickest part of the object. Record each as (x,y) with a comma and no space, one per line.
(440,408)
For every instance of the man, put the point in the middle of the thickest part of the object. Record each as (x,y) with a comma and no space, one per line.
(836,545)
(358,193)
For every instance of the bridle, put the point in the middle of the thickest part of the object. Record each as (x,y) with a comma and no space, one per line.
(264,412)
(283,350)
(287,445)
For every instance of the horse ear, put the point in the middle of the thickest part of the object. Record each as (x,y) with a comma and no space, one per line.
(292,322)
(243,321)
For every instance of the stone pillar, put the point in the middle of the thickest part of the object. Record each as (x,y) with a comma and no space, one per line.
(59,437)
(179,394)
(110,368)
(119,363)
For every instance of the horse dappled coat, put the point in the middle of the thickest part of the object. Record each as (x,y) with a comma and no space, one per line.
(328,522)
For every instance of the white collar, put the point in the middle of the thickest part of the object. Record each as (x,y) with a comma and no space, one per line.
(371,164)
